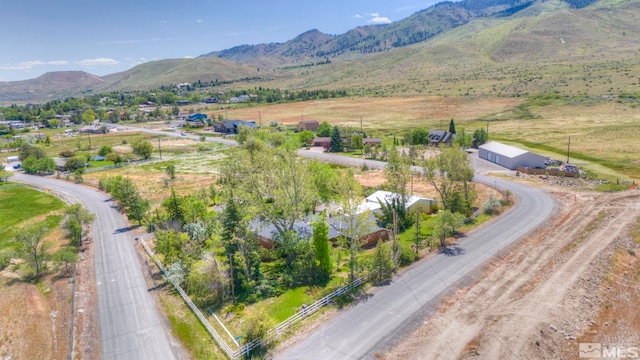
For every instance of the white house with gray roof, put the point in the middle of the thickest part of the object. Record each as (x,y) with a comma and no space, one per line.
(509,156)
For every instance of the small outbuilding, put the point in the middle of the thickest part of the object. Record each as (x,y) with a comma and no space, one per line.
(509,156)
(311,125)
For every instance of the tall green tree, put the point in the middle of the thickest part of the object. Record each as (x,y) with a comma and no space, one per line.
(335,145)
(450,171)
(322,246)
(452,127)
(397,172)
(66,256)
(32,246)
(480,136)
(324,129)
(463,139)
(419,137)
(77,222)
(142,148)
(173,205)
(382,266)
(446,224)
(353,224)
(275,184)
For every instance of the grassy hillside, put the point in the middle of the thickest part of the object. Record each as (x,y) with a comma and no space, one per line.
(174,71)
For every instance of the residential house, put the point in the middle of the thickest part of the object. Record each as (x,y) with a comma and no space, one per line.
(232,126)
(183,102)
(94,129)
(413,204)
(239,99)
(374,233)
(267,234)
(325,142)
(437,137)
(310,125)
(211,100)
(196,120)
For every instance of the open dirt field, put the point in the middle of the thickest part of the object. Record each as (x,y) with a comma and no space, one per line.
(547,293)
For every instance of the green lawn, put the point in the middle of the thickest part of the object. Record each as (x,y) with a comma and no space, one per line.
(21,203)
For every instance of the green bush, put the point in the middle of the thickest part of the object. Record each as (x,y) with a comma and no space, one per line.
(407,256)
(67,154)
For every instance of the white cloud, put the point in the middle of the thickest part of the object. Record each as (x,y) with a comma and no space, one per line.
(26,65)
(199,21)
(97,62)
(375,14)
(188,57)
(357,16)
(379,20)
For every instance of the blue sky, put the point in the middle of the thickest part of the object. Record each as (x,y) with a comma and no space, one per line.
(108,36)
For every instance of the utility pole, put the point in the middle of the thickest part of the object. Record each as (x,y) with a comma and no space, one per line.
(362,132)
(487,128)
(159,149)
(226,112)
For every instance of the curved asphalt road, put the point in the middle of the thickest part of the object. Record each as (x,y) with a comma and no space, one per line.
(130,327)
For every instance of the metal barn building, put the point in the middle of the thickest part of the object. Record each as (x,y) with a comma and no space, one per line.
(509,156)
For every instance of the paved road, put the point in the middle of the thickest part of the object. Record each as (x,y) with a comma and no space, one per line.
(361,331)
(130,327)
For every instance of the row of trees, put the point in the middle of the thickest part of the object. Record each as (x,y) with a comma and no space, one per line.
(35,250)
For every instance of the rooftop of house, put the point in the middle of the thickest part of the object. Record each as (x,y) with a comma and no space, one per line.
(439,135)
(372,202)
(303,227)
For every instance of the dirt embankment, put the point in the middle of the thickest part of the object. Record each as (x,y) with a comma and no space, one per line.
(547,293)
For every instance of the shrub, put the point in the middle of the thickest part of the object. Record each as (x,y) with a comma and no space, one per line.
(104,150)
(67,154)
(407,256)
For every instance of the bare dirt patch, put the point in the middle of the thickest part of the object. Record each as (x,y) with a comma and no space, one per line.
(419,186)
(540,296)
(35,319)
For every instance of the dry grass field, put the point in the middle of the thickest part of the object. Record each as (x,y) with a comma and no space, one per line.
(604,131)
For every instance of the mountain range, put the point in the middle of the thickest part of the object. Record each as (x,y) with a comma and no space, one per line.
(471,47)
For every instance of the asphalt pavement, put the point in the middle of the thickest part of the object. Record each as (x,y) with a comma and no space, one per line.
(129,324)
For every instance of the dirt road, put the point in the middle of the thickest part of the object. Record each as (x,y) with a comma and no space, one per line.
(536,300)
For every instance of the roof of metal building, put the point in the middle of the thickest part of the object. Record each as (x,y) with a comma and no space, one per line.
(503,149)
